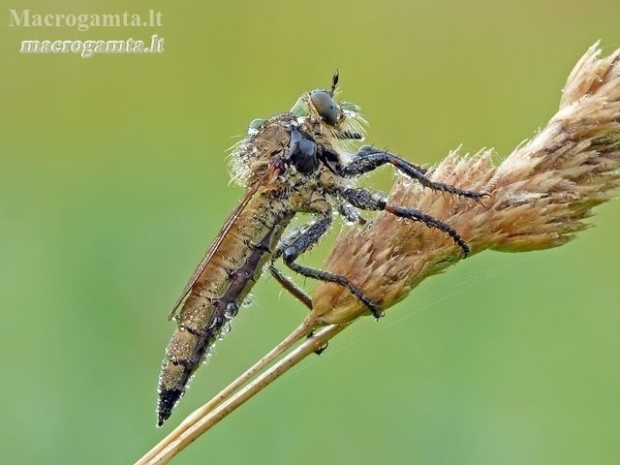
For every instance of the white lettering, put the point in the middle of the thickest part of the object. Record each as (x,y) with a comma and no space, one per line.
(115,46)
(48,20)
(30,46)
(88,49)
(18,19)
(138,46)
(111,20)
(95,21)
(83,22)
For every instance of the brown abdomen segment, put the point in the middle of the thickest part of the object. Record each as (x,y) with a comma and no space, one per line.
(216,296)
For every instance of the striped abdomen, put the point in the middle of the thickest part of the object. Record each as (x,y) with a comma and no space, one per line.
(217,294)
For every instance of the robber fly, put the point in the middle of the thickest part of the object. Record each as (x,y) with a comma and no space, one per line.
(295,162)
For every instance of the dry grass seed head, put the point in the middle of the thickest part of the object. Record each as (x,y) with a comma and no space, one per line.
(538,198)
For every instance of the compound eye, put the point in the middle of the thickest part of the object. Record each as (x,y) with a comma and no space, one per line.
(325,106)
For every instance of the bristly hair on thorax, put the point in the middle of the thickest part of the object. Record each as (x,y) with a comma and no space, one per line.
(266,138)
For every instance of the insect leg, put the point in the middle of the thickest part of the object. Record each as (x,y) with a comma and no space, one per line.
(349,135)
(291,287)
(299,294)
(367,200)
(291,250)
(368,158)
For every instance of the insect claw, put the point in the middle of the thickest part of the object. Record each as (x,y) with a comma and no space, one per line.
(378,314)
(465,250)
(480,196)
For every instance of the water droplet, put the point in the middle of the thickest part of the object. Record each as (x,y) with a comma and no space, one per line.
(224,331)
(231,310)
(207,356)
(247,302)
(217,322)
(241,274)
(379,196)
(405,180)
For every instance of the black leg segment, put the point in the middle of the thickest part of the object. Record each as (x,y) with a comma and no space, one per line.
(369,159)
(367,200)
(428,220)
(290,250)
(291,287)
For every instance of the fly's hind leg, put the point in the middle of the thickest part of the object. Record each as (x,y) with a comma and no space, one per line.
(284,280)
(291,287)
(298,293)
(290,250)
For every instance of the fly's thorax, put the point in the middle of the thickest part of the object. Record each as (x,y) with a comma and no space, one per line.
(266,139)
(322,120)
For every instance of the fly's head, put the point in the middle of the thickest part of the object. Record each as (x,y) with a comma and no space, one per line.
(315,119)
(330,122)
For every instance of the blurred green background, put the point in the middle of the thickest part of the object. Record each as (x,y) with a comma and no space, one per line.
(113,181)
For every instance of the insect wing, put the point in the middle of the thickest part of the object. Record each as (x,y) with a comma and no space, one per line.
(216,244)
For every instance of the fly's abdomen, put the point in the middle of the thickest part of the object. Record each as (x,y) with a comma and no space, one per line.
(216,296)
(188,347)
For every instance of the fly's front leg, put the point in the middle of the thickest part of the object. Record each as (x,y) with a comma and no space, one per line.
(369,159)
(290,250)
(349,135)
(367,200)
